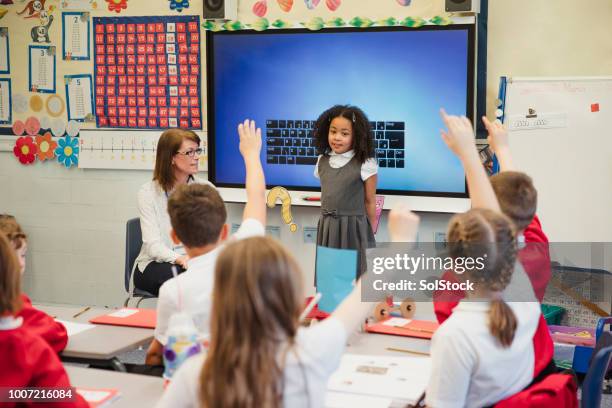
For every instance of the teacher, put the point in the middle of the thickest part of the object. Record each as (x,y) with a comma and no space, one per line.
(176,163)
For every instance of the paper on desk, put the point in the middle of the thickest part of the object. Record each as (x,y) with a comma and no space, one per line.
(398,378)
(75,328)
(397,321)
(125,312)
(343,400)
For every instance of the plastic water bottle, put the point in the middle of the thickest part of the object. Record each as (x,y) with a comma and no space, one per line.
(183,342)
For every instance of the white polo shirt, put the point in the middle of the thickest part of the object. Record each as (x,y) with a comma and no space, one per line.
(196,286)
(469,367)
(368,168)
(157,245)
(309,365)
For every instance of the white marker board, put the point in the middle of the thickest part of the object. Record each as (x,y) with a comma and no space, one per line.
(567,149)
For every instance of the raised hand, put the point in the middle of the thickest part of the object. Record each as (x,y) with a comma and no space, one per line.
(460,135)
(403,224)
(250,139)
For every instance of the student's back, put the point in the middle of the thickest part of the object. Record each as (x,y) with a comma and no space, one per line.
(492,372)
(259,356)
(28,361)
(35,321)
(26,358)
(307,366)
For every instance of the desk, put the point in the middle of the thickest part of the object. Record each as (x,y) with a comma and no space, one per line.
(377,344)
(136,390)
(101,344)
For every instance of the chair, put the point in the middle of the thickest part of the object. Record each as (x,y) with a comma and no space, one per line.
(593,382)
(133,243)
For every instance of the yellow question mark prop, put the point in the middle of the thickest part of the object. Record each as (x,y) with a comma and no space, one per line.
(282,194)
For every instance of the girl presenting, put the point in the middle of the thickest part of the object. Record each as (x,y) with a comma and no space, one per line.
(347,171)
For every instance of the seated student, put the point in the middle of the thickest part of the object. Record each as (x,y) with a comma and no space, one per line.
(258,354)
(483,352)
(518,199)
(27,360)
(460,139)
(198,215)
(176,163)
(35,321)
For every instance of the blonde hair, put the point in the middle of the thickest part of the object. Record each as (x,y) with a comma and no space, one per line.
(168,145)
(10,278)
(490,235)
(257,300)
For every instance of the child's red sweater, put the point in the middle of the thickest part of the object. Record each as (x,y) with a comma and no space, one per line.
(28,361)
(39,323)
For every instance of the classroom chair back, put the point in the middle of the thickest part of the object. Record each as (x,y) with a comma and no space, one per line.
(593,382)
(133,243)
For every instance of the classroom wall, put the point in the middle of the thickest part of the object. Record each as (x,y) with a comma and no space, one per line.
(75,218)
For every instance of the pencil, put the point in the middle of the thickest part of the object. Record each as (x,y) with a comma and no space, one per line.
(421,353)
(81,312)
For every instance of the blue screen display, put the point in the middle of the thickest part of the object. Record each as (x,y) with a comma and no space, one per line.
(395,76)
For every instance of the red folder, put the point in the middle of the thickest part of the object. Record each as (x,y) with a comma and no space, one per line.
(130,317)
(423,329)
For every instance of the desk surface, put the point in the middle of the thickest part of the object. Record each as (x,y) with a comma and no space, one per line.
(136,390)
(101,342)
(378,344)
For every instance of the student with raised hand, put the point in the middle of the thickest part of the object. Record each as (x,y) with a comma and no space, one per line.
(35,321)
(27,359)
(483,353)
(176,164)
(259,356)
(198,215)
(516,197)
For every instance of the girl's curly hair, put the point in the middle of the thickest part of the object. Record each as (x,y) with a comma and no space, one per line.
(363,137)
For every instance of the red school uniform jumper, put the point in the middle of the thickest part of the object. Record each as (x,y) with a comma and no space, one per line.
(28,361)
(39,323)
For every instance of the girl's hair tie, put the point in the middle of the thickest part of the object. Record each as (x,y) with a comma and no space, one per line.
(354,119)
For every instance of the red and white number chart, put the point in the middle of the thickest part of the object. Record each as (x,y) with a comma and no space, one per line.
(147,72)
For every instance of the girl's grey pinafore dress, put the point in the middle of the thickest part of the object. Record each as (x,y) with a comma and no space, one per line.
(343,222)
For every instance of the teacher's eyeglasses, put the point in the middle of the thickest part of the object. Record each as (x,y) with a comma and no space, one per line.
(191,153)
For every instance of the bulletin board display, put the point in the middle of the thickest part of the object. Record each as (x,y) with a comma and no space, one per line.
(147,72)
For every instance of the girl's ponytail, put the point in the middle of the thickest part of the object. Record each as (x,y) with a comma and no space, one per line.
(482,232)
(502,322)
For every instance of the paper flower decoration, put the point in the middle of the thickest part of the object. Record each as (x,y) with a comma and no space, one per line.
(67,151)
(179,5)
(285,5)
(32,126)
(116,5)
(46,147)
(25,150)
(18,128)
(260,8)
(333,5)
